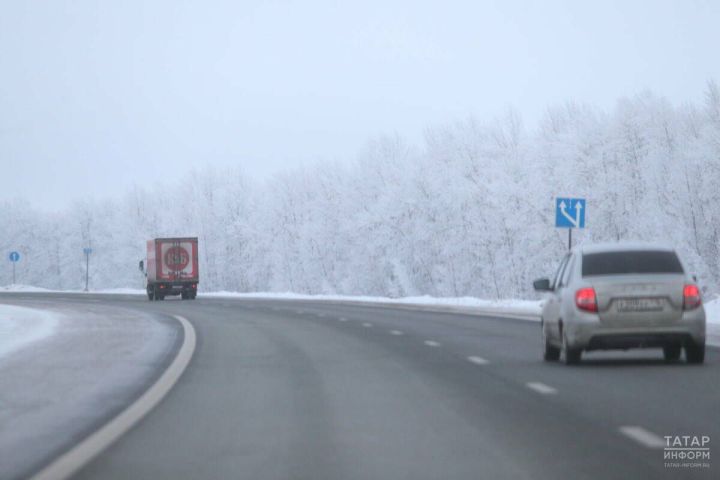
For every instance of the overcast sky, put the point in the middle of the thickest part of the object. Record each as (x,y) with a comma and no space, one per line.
(96,95)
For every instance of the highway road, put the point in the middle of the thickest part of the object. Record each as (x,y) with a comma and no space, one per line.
(280,389)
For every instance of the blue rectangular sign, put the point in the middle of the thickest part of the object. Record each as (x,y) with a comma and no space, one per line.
(570,212)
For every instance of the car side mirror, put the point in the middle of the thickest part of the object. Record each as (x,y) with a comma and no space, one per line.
(142,266)
(542,285)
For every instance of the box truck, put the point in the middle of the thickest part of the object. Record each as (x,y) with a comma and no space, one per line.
(172,268)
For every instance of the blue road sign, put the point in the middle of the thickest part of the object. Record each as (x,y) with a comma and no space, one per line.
(14,256)
(87,251)
(570,212)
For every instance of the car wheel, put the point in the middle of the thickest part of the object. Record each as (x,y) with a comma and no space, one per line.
(571,355)
(695,353)
(550,352)
(672,353)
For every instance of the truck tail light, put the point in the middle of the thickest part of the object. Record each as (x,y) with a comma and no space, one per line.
(691,297)
(585,299)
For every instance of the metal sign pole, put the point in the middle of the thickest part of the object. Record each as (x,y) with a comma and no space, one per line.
(569,238)
(13,273)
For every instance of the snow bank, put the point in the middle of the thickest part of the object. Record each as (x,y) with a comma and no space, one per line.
(21,326)
(29,288)
(121,291)
(23,288)
(712,311)
(514,307)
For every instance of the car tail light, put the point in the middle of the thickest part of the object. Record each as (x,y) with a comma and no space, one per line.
(691,297)
(585,299)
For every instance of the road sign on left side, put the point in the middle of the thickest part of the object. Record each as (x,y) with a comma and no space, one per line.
(14,256)
(87,251)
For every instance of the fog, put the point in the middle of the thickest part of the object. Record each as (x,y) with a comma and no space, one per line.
(98,96)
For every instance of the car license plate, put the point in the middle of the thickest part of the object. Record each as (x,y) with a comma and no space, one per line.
(640,305)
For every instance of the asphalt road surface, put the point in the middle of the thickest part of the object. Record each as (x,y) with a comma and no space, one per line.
(312,390)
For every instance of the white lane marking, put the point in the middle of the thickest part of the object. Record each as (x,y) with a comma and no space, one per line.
(642,436)
(395,332)
(367,325)
(432,343)
(321,315)
(541,388)
(342,319)
(81,454)
(478,360)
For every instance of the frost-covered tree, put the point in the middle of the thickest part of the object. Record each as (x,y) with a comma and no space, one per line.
(467,212)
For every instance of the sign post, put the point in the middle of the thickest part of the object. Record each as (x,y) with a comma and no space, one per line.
(87,251)
(570,213)
(14,258)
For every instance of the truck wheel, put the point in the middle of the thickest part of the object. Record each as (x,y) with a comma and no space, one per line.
(184,296)
(151,295)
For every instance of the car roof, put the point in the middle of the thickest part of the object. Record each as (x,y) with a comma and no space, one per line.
(623,247)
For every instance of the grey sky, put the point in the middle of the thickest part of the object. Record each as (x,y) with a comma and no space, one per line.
(96,95)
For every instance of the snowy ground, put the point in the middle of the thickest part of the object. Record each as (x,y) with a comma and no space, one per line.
(20,327)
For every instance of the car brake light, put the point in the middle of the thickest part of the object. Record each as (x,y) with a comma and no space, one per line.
(691,297)
(585,300)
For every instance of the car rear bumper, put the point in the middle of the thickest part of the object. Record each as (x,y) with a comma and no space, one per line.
(591,334)
(642,340)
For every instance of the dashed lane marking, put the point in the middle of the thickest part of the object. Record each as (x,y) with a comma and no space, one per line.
(541,388)
(644,437)
(478,360)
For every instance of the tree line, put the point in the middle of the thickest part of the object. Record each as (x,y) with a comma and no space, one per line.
(470,212)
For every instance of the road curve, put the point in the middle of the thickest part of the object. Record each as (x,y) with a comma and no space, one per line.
(310,390)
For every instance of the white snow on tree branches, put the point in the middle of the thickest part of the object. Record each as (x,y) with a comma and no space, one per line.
(469,212)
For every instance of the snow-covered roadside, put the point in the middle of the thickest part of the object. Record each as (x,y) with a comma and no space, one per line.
(529,309)
(23,288)
(712,313)
(21,326)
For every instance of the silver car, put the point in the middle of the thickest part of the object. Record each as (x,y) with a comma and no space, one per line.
(621,296)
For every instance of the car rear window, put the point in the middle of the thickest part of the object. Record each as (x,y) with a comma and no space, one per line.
(620,263)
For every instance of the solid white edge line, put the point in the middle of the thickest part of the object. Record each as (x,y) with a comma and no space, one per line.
(541,388)
(81,454)
(642,436)
(395,332)
(478,360)
(432,343)
(367,325)
(342,319)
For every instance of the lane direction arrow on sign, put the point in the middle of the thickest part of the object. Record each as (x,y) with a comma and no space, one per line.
(570,212)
